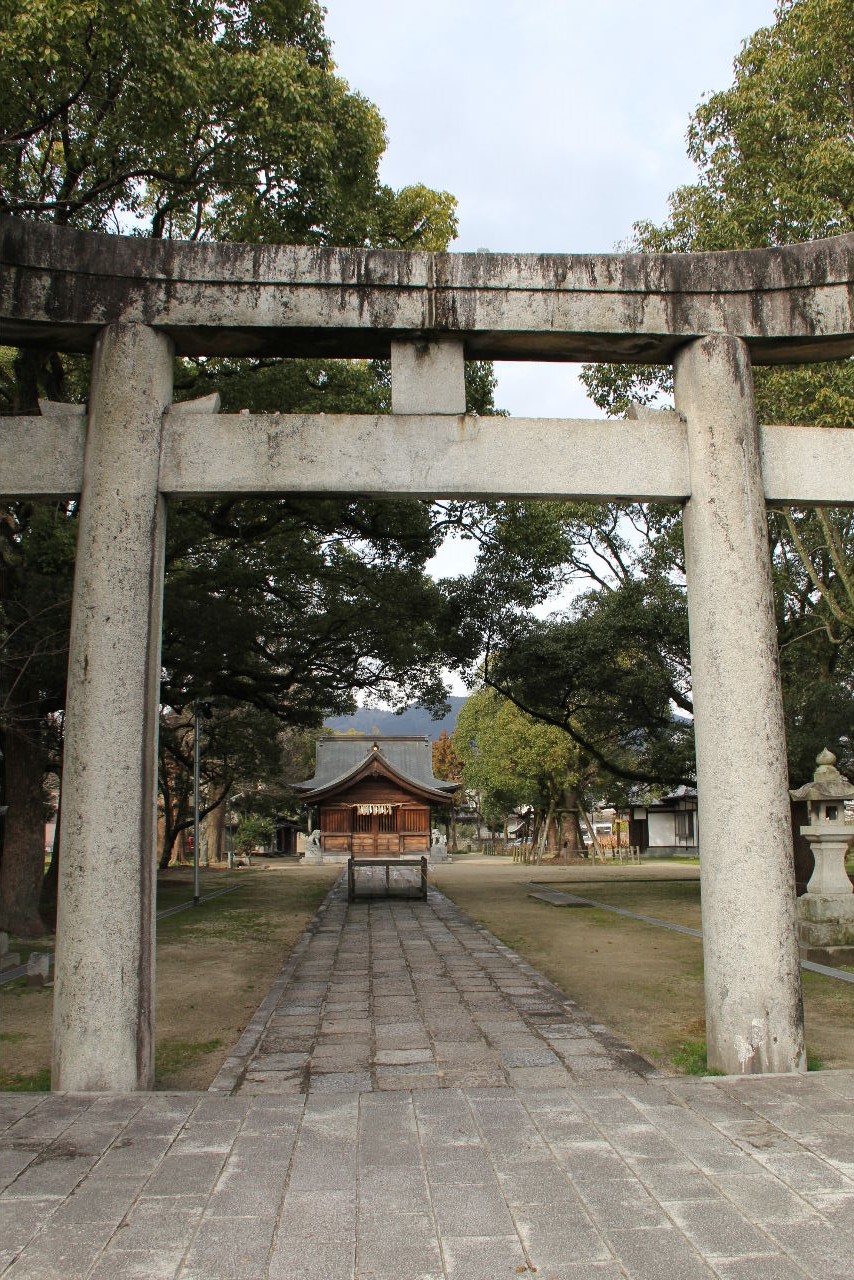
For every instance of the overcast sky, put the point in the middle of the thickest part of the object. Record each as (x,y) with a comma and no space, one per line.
(557,124)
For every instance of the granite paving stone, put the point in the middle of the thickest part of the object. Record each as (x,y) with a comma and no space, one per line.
(622,1203)
(718,1230)
(145,1264)
(765,1198)
(404,1111)
(776,1268)
(660,1253)
(156,1224)
(481,1211)
(822,1252)
(224,1249)
(536,1183)
(66,1250)
(12,1164)
(377,1185)
(668,1179)
(21,1219)
(91,1201)
(484,1258)
(578,1241)
(49,1176)
(460,1162)
(437,992)
(308,1216)
(179,1173)
(312,1260)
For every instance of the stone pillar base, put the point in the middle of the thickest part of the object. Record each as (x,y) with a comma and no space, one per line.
(826,924)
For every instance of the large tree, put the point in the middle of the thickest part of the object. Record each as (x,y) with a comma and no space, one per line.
(775,164)
(217,119)
(511,760)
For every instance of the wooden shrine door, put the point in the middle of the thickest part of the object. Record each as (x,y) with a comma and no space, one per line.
(375,834)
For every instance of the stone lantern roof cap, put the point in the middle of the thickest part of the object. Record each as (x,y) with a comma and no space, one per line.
(828,783)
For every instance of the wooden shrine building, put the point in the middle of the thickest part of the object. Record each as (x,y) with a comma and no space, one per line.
(372,797)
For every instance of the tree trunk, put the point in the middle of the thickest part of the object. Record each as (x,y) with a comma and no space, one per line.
(536,824)
(180,830)
(204,859)
(595,847)
(22,867)
(572,838)
(49,898)
(166,824)
(552,829)
(215,832)
(547,831)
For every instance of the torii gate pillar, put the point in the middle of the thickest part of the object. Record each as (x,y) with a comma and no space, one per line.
(104,1019)
(754,1018)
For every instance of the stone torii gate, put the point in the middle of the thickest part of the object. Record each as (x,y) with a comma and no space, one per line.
(136,303)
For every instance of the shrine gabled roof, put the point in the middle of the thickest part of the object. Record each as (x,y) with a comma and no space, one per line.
(342,760)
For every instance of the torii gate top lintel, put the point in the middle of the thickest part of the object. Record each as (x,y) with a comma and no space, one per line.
(60,287)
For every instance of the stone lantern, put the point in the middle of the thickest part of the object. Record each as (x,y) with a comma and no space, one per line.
(826,910)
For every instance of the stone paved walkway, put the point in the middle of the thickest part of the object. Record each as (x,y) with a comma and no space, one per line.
(390,993)
(594,1173)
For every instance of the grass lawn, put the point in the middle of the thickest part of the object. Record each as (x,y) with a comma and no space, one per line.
(214,966)
(216,963)
(644,982)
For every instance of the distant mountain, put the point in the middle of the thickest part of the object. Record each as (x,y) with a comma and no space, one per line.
(415,722)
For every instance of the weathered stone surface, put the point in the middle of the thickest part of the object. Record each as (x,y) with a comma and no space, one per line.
(428,377)
(428,973)
(420,455)
(809,465)
(754,1017)
(42,456)
(817,908)
(425,455)
(62,288)
(789,304)
(103,1009)
(464,1183)
(38,968)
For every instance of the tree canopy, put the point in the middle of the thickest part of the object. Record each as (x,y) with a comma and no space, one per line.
(222,119)
(511,760)
(775,164)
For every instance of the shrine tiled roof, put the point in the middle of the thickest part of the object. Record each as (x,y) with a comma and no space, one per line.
(339,757)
